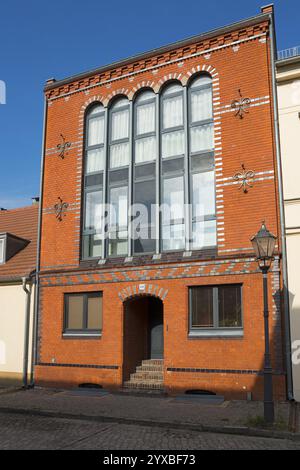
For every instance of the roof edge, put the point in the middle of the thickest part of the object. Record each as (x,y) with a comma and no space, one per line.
(181,43)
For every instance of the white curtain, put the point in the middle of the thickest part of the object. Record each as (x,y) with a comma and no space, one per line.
(119,155)
(145,118)
(204,194)
(95,160)
(172,112)
(202,138)
(1,251)
(201,105)
(119,209)
(204,234)
(173,144)
(145,150)
(96,131)
(173,197)
(120,125)
(93,211)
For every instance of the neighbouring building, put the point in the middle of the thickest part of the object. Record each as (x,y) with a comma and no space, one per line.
(18,250)
(288,82)
(175,301)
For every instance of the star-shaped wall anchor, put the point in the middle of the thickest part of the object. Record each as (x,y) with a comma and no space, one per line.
(245,178)
(63,147)
(241,105)
(60,209)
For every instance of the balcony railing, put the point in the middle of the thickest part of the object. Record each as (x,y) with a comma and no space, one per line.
(288,53)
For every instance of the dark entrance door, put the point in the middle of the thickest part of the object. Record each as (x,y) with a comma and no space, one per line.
(156,330)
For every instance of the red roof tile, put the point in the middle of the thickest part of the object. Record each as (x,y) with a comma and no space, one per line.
(23,223)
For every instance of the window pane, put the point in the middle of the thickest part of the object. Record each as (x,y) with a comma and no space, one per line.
(230,311)
(93,211)
(96,131)
(120,125)
(172,112)
(144,217)
(173,237)
(173,144)
(95,160)
(118,206)
(145,149)
(202,80)
(119,155)
(75,312)
(118,244)
(173,199)
(203,194)
(2,251)
(202,138)
(202,307)
(145,117)
(94,319)
(204,234)
(92,246)
(201,105)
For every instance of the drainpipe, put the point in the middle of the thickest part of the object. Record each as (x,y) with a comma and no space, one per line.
(37,282)
(26,330)
(288,349)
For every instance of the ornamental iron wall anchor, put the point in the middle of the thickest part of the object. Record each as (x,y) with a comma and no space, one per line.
(60,209)
(244,177)
(63,147)
(241,105)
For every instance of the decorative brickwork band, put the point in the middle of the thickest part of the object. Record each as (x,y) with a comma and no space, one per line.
(143,289)
(86,366)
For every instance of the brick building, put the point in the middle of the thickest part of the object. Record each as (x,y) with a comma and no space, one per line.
(189,125)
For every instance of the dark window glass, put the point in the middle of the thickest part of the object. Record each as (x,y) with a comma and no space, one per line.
(230,313)
(83,312)
(202,307)
(216,307)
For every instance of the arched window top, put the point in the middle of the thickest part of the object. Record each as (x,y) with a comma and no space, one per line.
(145,96)
(172,88)
(120,102)
(96,109)
(201,80)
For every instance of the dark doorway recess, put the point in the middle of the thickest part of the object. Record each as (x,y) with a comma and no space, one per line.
(143,332)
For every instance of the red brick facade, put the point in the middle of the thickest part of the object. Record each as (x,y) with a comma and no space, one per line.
(238,59)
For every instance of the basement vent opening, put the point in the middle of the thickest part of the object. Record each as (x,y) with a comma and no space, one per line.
(200,392)
(90,385)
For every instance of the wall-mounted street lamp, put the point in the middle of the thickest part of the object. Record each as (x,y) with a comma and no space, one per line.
(264,244)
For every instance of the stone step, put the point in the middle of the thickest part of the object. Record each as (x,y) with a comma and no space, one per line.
(149,368)
(152,362)
(147,375)
(149,385)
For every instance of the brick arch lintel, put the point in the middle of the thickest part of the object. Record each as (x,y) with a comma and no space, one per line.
(147,290)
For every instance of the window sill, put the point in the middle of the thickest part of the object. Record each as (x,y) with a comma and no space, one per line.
(82,335)
(228,333)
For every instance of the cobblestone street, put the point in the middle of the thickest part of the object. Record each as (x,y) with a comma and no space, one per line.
(33,432)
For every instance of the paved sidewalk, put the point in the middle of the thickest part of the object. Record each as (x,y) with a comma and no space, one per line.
(235,416)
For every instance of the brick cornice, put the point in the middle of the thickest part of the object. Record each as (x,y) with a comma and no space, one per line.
(157,60)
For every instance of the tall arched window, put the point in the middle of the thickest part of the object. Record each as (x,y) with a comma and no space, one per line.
(118,176)
(201,156)
(144,172)
(157,152)
(93,182)
(173,150)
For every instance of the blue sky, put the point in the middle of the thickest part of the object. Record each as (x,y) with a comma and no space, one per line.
(40,39)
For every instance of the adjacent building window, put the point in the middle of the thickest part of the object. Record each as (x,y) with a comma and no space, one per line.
(215,310)
(157,152)
(2,251)
(83,313)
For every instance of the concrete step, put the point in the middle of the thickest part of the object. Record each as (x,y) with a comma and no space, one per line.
(149,368)
(147,375)
(153,362)
(149,385)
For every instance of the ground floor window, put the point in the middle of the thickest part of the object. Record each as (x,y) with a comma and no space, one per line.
(215,310)
(83,313)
